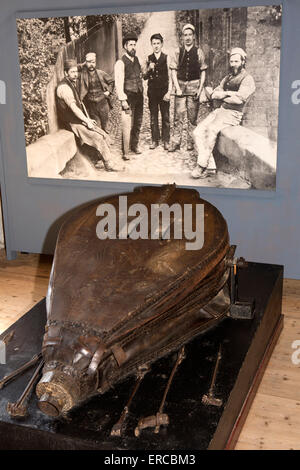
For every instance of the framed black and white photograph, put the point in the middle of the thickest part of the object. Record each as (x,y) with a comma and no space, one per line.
(185,96)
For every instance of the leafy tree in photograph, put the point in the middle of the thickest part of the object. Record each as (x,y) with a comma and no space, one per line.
(133,23)
(40,39)
(39,42)
(130,22)
(276,13)
(75,26)
(183,17)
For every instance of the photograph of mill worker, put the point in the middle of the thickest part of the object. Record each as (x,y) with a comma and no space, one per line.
(158,73)
(73,116)
(188,74)
(96,87)
(129,89)
(233,92)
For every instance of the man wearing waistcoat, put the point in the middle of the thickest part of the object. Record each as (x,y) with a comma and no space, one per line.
(129,88)
(158,74)
(234,92)
(72,116)
(96,87)
(188,74)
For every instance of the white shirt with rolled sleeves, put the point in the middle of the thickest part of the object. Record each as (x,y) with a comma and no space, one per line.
(120,78)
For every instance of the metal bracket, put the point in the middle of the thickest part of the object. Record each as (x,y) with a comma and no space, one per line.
(239,309)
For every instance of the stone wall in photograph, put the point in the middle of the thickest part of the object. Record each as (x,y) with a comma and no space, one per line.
(256,30)
(263,49)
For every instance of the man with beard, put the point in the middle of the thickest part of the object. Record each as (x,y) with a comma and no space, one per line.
(129,88)
(234,92)
(96,87)
(158,74)
(188,74)
(72,116)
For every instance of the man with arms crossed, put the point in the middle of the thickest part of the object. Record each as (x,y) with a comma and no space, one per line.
(234,92)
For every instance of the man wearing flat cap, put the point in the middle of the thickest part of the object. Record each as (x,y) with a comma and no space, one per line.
(157,72)
(129,88)
(188,74)
(233,92)
(96,87)
(72,115)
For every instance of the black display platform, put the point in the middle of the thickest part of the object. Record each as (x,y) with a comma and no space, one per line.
(246,347)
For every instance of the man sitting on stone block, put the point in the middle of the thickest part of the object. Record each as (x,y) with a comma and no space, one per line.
(234,92)
(73,116)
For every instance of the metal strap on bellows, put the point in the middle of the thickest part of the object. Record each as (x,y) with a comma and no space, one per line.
(50,341)
(96,359)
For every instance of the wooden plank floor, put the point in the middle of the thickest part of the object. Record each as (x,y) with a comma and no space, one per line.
(274,418)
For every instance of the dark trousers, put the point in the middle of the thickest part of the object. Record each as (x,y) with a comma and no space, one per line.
(156,104)
(135,101)
(99,111)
